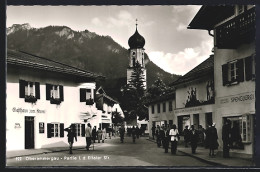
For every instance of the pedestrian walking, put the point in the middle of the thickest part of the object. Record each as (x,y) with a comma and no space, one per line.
(122,133)
(201,135)
(137,130)
(103,136)
(158,139)
(166,138)
(71,135)
(153,131)
(193,139)
(226,134)
(174,134)
(186,134)
(94,134)
(206,143)
(133,133)
(99,134)
(162,135)
(213,140)
(88,134)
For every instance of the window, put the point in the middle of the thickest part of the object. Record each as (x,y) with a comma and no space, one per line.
(54,93)
(152,109)
(164,107)
(30,91)
(158,108)
(241,130)
(86,96)
(55,130)
(233,72)
(133,53)
(80,129)
(250,68)
(170,106)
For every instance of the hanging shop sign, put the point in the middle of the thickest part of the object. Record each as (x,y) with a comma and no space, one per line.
(22,110)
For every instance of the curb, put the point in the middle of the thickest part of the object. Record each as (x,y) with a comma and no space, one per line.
(196,157)
(45,152)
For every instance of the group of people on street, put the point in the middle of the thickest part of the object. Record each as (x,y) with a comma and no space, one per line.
(90,134)
(170,134)
(207,138)
(164,135)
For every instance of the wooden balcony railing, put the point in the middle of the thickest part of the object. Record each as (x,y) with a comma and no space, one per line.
(238,30)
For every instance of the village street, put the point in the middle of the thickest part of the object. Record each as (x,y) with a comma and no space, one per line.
(111,153)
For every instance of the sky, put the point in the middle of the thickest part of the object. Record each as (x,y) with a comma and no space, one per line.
(168,42)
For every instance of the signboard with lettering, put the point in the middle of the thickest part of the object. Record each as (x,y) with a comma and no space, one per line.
(34,111)
(41,127)
(194,110)
(240,98)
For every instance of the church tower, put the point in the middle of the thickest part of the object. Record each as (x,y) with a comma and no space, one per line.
(136,54)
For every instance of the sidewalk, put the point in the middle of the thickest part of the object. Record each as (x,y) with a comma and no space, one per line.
(202,154)
(28,152)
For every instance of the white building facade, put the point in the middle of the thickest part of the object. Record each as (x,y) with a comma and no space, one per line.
(234,70)
(43,98)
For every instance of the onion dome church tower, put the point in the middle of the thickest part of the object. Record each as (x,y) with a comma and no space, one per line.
(136,43)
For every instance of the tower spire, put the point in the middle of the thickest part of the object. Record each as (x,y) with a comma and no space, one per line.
(136,23)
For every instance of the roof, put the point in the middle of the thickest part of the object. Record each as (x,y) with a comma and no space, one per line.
(205,68)
(162,98)
(208,16)
(32,61)
(101,91)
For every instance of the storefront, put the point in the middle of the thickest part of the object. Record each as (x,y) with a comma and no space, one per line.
(240,110)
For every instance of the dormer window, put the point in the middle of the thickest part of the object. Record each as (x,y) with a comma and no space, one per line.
(54,93)
(86,96)
(30,91)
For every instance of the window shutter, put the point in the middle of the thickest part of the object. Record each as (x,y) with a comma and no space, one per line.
(225,74)
(83,130)
(48,91)
(83,94)
(61,93)
(49,134)
(37,90)
(240,66)
(21,88)
(61,129)
(248,68)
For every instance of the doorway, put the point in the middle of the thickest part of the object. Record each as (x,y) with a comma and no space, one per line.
(29,132)
(208,119)
(196,121)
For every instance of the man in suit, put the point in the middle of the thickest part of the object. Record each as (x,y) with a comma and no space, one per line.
(88,134)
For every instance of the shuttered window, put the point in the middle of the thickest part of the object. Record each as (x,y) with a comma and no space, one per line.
(233,72)
(55,130)
(54,93)
(86,96)
(29,90)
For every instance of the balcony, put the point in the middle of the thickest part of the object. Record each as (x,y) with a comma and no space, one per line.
(237,31)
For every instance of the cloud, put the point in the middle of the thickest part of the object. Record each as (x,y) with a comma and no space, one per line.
(184,14)
(183,61)
(96,21)
(124,18)
(181,27)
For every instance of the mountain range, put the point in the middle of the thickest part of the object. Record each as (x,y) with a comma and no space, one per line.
(82,49)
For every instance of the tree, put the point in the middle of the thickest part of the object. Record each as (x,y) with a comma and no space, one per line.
(117,118)
(133,96)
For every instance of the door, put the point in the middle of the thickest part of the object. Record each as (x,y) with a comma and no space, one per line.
(208,119)
(29,132)
(196,121)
